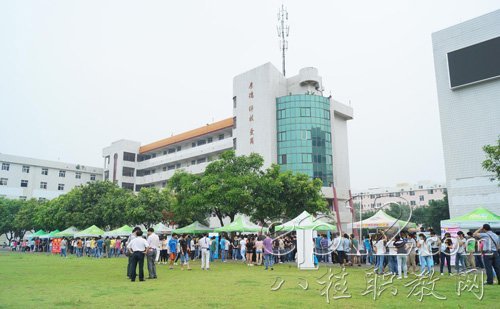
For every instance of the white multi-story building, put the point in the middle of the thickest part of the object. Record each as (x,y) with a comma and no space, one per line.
(467,64)
(419,194)
(133,166)
(286,120)
(26,178)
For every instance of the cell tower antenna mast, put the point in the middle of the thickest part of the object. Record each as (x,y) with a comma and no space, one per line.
(283,30)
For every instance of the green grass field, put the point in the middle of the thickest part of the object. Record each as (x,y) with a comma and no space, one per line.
(29,281)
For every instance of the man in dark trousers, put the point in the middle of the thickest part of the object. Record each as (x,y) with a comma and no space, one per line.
(137,248)
(130,238)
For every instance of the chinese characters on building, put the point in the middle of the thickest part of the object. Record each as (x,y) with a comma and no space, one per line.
(250,110)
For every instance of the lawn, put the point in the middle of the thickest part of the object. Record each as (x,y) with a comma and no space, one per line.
(29,281)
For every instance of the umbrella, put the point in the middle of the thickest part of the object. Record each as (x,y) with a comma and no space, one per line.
(161,228)
(474,219)
(305,221)
(49,235)
(92,231)
(382,220)
(69,232)
(121,231)
(241,224)
(194,228)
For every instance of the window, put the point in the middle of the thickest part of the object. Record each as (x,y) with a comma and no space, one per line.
(170,167)
(221,137)
(106,175)
(60,187)
(128,156)
(420,187)
(164,169)
(193,144)
(391,194)
(92,177)
(171,150)
(45,171)
(128,186)
(202,160)
(234,143)
(413,203)
(5,166)
(209,140)
(178,148)
(282,159)
(128,171)
(317,158)
(78,175)
(24,183)
(397,194)
(164,184)
(282,136)
(430,191)
(201,142)
(22,198)
(43,185)
(328,136)
(178,165)
(234,102)
(164,152)
(421,198)
(326,114)
(234,122)
(305,112)
(42,199)
(306,158)
(3,181)
(281,113)
(306,135)
(412,193)
(62,173)
(26,169)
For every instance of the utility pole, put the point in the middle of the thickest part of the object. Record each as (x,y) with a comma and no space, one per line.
(283,30)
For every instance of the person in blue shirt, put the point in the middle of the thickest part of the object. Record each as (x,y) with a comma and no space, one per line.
(490,251)
(172,246)
(368,248)
(223,248)
(100,243)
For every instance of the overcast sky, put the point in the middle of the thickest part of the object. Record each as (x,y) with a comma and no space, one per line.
(78,75)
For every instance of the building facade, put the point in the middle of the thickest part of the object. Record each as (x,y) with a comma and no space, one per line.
(287,121)
(415,195)
(26,178)
(290,122)
(467,65)
(133,166)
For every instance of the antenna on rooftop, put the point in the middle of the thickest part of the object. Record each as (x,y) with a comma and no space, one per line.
(283,30)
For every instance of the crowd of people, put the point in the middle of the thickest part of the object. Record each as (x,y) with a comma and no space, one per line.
(418,252)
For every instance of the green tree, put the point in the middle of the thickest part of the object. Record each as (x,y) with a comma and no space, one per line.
(25,218)
(492,162)
(8,211)
(149,207)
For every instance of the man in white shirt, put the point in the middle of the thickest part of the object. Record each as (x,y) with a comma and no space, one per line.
(243,248)
(204,244)
(137,248)
(153,244)
(129,240)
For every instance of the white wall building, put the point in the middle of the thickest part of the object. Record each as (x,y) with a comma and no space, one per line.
(26,178)
(417,195)
(467,64)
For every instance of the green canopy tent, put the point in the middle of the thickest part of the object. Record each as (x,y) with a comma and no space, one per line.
(473,220)
(194,228)
(121,231)
(161,228)
(305,221)
(92,231)
(37,234)
(49,235)
(69,232)
(241,224)
(382,220)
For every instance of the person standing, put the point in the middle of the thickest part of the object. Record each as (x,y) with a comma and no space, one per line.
(460,252)
(79,247)
(243,248)
(63,244)
(379,249)
(204,244)
(490,250)
(137,249)
(268,252)
(434,243)
(392,257)
(425,254)
(172,246)
(118,247)
(412,248)
(184,251)
(471,248)
(236,246)
(153,245)
(259,246)
(132,236)
(446,249)
(223,250)
(368,248)
(401,247)
(112,244)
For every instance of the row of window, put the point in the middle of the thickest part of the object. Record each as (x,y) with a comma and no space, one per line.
(304,135)
(24,184)
(303,112)
(306,158)
(412,203)
(45,171)
(398,194)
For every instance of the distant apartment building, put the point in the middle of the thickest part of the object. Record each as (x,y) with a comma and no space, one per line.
(26,178)
(417,195)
